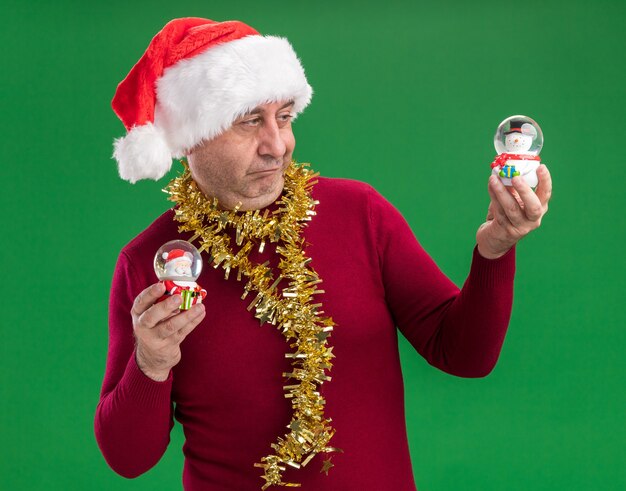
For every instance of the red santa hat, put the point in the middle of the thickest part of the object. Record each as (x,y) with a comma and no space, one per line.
(196,77)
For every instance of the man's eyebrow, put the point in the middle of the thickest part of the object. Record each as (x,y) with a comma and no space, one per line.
(257,110)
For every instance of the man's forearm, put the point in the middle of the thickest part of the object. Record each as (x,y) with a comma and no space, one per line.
(469,338)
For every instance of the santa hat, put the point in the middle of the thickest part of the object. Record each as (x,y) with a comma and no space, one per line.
(196,77)
(176,255)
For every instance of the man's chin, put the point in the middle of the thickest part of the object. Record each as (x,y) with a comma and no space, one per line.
(268,184)
(263,196)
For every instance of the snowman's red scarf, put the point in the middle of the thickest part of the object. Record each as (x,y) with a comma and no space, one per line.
(501,159)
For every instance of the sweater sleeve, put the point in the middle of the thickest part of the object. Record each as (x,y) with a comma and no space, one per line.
(135,413)
(458,331)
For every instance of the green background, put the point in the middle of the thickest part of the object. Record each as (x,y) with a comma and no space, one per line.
(407,97)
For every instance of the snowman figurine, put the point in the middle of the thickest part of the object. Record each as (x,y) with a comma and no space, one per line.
(518,142)
(178,265)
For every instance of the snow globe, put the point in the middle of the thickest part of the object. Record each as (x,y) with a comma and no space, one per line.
(178,265)
(518,141)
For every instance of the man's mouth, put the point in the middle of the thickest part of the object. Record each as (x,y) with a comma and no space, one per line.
(266,171)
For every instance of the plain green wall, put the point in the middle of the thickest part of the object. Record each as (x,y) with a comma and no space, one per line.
(407,97)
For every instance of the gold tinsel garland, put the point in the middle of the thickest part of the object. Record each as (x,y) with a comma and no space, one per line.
(293,310)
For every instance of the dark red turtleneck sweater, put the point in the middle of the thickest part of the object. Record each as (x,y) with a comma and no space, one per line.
(227,389)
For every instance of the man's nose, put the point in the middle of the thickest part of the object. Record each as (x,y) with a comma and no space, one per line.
(271,142)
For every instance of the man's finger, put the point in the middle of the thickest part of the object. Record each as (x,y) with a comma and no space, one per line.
(532,206)
(182,333)
(508,202)
(496,209)
(159,312)
(185,321)
(544,188)
(146,298)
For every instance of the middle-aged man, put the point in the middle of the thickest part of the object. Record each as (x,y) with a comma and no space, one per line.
(314,395)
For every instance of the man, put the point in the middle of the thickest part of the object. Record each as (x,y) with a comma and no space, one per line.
(313,396)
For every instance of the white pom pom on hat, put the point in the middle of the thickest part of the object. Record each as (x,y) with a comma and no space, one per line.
(142,154)
(196,77)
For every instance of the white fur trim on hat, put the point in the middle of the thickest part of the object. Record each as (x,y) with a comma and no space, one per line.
(200,97)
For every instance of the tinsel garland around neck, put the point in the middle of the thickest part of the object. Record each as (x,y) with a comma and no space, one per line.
(292,309)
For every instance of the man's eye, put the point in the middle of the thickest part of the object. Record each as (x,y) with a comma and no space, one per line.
(285,117)
(251,122)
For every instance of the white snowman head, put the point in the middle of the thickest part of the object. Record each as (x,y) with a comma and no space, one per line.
(178,263)
(520,137)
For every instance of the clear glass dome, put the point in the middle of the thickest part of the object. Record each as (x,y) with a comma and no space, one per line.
(518,134)
(177,260)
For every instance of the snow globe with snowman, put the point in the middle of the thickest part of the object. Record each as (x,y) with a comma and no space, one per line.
(518,141)
(178,265)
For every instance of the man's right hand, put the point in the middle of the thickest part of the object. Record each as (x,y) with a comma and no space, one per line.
(160,328)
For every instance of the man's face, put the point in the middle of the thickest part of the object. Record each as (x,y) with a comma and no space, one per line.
(247,162)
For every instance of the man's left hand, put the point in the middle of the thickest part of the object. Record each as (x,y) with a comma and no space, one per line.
(513,213)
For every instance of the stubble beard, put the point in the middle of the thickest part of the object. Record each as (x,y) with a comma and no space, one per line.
(266,194)
(250,193)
